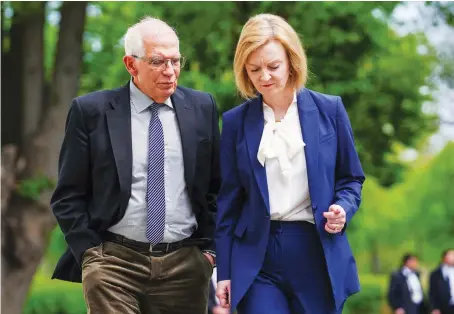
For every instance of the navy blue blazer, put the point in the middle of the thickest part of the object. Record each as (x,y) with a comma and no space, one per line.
(399,294)
(440,292)
(335,177)
(95,168)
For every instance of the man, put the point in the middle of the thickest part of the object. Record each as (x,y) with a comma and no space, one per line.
(138,177)
(405,294)
(441,288)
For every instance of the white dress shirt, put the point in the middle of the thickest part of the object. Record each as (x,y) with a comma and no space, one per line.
(281,152)
(180,220)
(448,273)
(414,285)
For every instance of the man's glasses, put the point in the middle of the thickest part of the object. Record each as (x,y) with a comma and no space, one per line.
(160,64)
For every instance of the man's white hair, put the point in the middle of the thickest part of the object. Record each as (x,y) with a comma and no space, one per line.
(135,35)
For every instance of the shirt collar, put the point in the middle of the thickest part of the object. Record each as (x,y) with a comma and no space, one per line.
(447,270)
(406,271)
(140,101)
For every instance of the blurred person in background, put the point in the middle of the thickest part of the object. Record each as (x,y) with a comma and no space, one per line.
(441,287)
(291,182)
(405,295)
(138,176)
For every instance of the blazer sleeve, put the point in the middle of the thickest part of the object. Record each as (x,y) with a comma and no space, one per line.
(349,174)
(230,197)
(434,293)
(394,293)
(69,200)
(215,180)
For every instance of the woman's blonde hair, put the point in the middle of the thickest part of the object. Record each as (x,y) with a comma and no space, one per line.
(258,31)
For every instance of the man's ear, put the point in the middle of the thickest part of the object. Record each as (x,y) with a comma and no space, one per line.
(130,64)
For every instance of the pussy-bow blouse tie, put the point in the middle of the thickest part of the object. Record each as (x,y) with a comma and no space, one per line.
(279,139)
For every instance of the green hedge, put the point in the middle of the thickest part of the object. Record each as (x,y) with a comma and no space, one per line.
(48,296)
(58,297)
(371,298)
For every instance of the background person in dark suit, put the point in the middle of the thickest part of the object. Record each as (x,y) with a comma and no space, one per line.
(138,176)
(441,288)
(405,295)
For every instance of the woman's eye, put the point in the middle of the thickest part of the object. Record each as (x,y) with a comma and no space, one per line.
(254,70)
(274,67)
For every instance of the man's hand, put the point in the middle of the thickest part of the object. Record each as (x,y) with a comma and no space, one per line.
(223,293)
(210,258)
(399,311)
(335,219)
(435,312)
(220,310)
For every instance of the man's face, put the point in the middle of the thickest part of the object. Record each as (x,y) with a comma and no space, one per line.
(159,83)
(413,263)
(449,258)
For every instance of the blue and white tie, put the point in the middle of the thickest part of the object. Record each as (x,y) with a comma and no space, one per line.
(155,197)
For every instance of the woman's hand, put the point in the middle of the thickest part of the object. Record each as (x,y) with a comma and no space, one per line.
(335,219)
(223,293)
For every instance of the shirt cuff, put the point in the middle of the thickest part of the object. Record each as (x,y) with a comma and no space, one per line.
(212,253)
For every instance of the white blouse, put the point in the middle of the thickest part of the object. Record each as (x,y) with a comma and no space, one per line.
(281,152)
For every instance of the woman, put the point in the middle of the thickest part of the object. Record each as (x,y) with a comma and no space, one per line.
(292,181)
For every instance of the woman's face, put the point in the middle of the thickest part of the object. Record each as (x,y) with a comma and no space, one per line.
(268,68)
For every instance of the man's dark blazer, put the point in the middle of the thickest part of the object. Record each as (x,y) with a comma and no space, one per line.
(95,167)
(440,293)
(399,295)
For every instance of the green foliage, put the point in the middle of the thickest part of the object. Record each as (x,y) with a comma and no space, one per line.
(416,215)
(350,52)
(371,298)
(33,187)
(54,297)
(57,246)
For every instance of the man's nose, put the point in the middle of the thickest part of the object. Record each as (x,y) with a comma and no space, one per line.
(168,70)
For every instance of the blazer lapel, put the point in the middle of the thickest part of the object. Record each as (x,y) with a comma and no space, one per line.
(309,120)
(188,128)
(119,126)
(253,129)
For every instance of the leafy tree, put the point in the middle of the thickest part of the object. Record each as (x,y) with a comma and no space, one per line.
(351,49)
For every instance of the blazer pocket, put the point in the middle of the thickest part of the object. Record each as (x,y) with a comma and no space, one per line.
(205,141)
(204,147)
(327,137)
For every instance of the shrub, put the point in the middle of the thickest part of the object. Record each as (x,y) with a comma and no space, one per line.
(48,296)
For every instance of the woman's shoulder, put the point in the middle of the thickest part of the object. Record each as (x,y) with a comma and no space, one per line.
(325,102)
(238,111)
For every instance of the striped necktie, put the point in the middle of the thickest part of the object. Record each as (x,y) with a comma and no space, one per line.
(155,197)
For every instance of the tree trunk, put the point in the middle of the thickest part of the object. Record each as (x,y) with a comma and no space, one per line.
(33,70)
(11,84)
(375,257)
(26,223)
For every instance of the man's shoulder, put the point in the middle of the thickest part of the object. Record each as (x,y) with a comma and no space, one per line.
(99,96)
(397,273)
(193,93)
(436,272)
(238,111)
